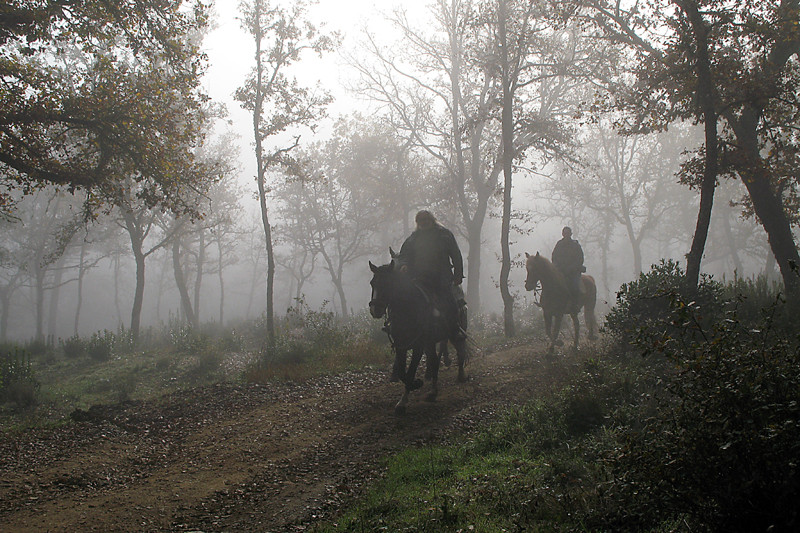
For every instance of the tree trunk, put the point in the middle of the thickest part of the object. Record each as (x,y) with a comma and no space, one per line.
(5,311)
(55,295)
(766,203)
(180,282)
(198,280)
(342,297)
(261,176)
(81,274)
(117,269)
(508,156)
(39,295)
(705,95)
(473,296)
(137,243)
(138,296)
(221,281)
(732,244)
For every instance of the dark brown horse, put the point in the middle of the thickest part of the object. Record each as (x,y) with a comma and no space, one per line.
(556,300)
(414,324)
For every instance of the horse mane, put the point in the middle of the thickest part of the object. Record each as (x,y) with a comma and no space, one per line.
(535,260)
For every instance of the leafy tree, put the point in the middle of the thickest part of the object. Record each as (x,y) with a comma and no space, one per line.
(732,66)
(528,66)
(276,100)
(94,93)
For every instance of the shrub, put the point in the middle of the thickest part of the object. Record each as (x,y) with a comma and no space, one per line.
(100,346)
(231,341)
(206,364)
(309,342)
(653,308)
(38,348)
(73,347)
(17,381)
(723,450)
(188,340)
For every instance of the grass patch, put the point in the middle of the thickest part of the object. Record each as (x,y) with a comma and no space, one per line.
(105,368)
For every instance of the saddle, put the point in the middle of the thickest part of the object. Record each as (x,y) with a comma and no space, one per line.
(456,319)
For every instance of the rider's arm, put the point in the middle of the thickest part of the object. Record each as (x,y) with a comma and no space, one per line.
(455,256)
(404,258)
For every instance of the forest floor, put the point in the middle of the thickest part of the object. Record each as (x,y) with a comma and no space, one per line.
(274,457)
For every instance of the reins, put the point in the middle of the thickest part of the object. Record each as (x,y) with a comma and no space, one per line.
(537,294)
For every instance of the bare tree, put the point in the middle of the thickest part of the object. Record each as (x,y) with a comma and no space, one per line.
(441,97)
(631,179)
(277,102)
(141,225)
(329,214)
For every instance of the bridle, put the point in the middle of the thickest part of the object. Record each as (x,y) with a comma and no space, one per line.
(536,289)
(376,303)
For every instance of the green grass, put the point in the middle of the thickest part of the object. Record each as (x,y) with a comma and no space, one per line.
(701,432)
(528,471)
(69,376)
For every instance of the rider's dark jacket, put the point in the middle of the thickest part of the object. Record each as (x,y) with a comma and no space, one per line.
(568,257)
(433,257)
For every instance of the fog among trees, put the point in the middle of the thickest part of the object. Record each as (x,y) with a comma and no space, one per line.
(665,131)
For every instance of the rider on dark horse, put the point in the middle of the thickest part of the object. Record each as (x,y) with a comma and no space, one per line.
(432,258)
(568,259)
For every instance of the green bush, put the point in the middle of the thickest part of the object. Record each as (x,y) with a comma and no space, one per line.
(188,340)
(17,381)
(74,347)
(100,346)
(722,451)
(657,307)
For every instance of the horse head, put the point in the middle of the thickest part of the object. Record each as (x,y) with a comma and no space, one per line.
(534,265)
(382,288)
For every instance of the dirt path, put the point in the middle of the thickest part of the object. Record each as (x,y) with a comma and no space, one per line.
(242,458)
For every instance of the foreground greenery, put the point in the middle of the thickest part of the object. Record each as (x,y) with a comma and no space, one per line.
(687,419)
(43,382)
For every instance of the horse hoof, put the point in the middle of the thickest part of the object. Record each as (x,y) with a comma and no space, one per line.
(431,396)
(414,385)
(394,378)
(462,377)
(399,410)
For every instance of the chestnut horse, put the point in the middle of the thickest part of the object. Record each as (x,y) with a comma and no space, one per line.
(556,300)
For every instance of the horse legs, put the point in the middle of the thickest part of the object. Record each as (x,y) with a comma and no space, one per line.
(591,321)
(411,384)
(444,353)
(461,355)
(548,328)
(576,325)
(399,366)
(554,340)
(432,371)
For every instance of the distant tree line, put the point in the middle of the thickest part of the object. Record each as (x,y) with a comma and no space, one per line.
(621,119)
